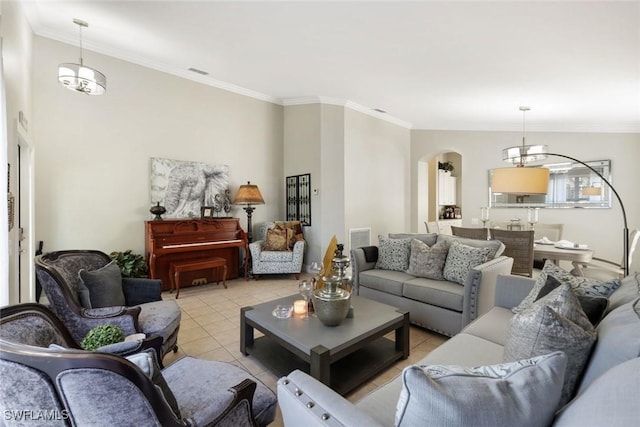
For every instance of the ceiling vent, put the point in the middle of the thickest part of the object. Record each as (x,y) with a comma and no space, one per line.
(195,70)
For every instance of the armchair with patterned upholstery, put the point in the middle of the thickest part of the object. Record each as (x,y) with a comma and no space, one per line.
(44,372)
(279,249)
(133,304)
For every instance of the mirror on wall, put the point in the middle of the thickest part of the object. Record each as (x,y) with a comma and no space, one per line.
(571,185)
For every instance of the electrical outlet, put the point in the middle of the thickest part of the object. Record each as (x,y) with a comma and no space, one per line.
(475,221)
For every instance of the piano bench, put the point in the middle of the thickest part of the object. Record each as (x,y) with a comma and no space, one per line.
(177,267)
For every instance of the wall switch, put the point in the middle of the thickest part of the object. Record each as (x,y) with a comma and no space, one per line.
(475,221)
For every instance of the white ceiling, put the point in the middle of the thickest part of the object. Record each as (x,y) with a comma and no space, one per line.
(429,65)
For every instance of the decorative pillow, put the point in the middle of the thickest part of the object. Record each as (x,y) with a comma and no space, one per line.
(522,393)
(105,286)
(555,322)
(461,259)
(580,285)
(593,307)
(84,296)
(295,226)
(393,254)
(146,361)
(427,261)
(277,239)
(618,340)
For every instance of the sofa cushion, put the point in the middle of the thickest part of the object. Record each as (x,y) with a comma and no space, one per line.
(393,254)
(426,261)
(462,349)
(612,400)
(628,291)
(522,393)
(430,238)
(105,285)
(496,246)
(147,362)
(581,285)
(387,281)
(492,326)
(461,259)
(593,307)
(435,292)
(554,322)
(618,340)
(276,256)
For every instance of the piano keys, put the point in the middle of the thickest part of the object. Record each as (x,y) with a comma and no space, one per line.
(167,241)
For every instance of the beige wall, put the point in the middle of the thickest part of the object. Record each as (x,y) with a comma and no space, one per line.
(377,178)
(17,40)
(93,152)
(599,228)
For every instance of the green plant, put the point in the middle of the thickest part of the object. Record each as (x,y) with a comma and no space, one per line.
(446,166)
(102,335)
(131,265)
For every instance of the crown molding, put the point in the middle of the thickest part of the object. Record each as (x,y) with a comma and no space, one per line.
(347,104)
(144,62)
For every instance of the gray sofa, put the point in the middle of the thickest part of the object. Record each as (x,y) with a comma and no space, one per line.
(440,305)
(608,387)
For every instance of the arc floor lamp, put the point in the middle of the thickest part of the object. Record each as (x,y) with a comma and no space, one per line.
(535,180)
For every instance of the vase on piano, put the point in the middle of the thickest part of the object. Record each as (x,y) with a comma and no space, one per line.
(157,210)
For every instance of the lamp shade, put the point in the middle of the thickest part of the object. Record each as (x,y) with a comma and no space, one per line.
(520,180)
(248,194)
(591,191)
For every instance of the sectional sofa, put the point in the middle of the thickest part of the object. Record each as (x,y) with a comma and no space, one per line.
(433,277)
(606,388)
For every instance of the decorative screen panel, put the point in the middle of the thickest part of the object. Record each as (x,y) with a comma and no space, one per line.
(298,198)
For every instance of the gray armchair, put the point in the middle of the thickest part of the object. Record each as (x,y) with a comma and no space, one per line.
(143,309)
(83,388)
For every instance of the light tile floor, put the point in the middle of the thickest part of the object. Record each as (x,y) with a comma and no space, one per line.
(210,328)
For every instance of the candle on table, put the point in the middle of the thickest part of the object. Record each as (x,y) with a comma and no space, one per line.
(299,306)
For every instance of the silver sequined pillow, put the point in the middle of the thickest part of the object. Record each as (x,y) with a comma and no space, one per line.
(393,254)
(554,322)
(427,261)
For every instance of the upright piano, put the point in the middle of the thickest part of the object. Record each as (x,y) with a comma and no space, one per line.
(167,241)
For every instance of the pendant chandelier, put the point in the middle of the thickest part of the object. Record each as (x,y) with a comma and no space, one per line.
(521,180)
(79,77)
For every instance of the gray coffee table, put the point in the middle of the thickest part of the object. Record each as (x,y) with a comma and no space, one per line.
(342,357)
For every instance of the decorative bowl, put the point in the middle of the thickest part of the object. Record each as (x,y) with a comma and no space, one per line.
(283,311)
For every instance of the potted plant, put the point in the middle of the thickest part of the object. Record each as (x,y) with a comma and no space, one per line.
(445,166)
(131,264)
(102,335)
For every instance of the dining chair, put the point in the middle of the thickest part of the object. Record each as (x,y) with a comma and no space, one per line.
(470,233)
(599,268)
(552,232)
(432,226)
(519,246)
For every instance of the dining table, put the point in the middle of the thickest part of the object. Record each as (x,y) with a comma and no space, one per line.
(576,255)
